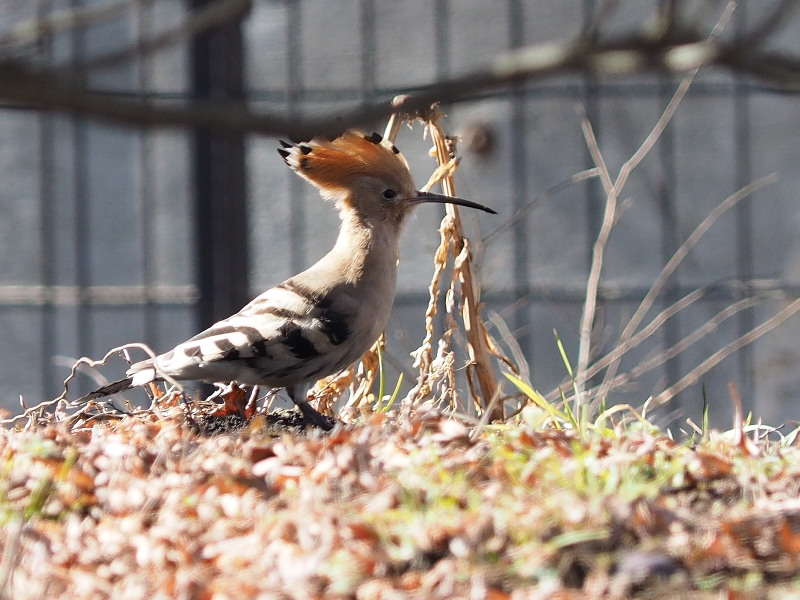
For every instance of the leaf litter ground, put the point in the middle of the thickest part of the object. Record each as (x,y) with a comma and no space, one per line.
(401,505)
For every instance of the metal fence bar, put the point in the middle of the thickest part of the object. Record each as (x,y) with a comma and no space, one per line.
(744,211)
(592,95)
(143,24)
(46,257)
(520,157)
(217,68)
(294,97)
(80,170)
(669,230)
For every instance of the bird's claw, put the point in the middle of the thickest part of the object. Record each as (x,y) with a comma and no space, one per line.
(314,417)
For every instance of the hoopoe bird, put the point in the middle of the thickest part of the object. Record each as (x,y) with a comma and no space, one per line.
(322,320)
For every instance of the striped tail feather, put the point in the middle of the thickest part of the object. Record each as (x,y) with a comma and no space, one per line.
(107,390)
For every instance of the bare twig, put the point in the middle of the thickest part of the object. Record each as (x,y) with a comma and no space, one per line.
(708,327)
(677,258)
(423,356)
(613,190)
(61,402)
(712,361)
(519,365)
(395,121)
(593,281)
(634,341)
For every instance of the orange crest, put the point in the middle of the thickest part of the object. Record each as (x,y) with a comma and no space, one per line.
(333,165)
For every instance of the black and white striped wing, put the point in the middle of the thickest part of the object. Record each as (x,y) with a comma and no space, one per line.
(285,336)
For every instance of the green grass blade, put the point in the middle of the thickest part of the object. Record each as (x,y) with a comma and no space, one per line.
(540,401)
(394,394)
(705,411)
(564,355)
(380,377)
(578,409)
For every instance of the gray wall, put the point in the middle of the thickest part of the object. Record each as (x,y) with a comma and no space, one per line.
(86,205)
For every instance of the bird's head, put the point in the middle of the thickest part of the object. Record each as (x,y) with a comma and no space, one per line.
(364,174)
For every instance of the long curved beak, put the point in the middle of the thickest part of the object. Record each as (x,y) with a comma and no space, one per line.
(423,197)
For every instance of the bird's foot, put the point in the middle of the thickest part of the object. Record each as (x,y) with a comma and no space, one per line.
(314,417)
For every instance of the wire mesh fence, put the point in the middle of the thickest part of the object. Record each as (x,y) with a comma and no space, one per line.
(112,234)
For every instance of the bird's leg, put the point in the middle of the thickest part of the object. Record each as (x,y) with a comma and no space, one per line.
(312,416)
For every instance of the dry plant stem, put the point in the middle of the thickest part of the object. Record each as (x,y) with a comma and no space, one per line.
(364,376)
(750,447)
(423,356)
(593,281)
(519,365)
(624,344)
(658,321)
(712,361)
(613,189)
(474,327)
(627,169)
(61,400)
(451,326)
(395,120)
(629,340)
(711,325)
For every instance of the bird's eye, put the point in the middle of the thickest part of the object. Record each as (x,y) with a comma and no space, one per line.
(389,194)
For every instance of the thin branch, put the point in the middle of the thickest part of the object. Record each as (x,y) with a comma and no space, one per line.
(395,121)
(669,111)
(634,341)
(634,54)
(695,336)
(61,401)
(519,364)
